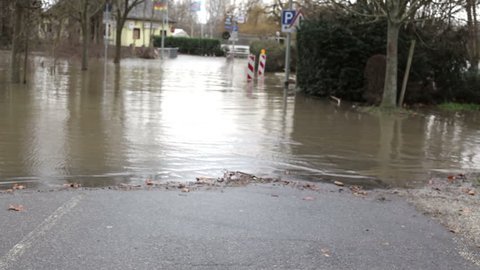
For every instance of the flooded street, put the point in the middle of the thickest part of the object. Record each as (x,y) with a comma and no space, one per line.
(196,116)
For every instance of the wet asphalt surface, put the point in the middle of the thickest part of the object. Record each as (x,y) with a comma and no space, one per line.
(253,227)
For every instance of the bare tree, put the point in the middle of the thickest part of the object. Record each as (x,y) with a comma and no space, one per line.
(309,7)
(122,8)
(6,23)
(22,10)
(259,22)
(82,11)
(216,11)
(53,24)
(19,13)
(181,12)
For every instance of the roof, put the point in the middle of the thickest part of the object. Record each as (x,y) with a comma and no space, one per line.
(144,12)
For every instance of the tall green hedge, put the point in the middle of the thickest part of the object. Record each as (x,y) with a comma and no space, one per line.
(332,54)
(334,48)
(195,46)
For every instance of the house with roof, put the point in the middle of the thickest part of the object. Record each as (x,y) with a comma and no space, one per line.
(144,21)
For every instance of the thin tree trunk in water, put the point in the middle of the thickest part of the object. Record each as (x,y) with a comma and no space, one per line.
(84,47)
(15,57)
(150,38)
(144,16)
(25,57)
(407,72)
(475,36)
(85,39)
(389,99)
(472,35)
(118,41)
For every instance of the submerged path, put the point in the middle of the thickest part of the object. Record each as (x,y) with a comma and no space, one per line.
(263,226)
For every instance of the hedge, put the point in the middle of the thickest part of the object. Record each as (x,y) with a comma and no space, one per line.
(195,46)
(333,52)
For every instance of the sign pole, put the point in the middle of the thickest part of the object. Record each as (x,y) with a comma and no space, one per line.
(107,30)
(287,53)
(234,38)
(163,34)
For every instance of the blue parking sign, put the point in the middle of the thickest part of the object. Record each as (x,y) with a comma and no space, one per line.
(287,16)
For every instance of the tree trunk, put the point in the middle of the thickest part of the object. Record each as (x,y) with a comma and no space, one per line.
(17,33)
(407,72)
(472,35)
(85,46)
(118,41)
(26,32)
(389,99)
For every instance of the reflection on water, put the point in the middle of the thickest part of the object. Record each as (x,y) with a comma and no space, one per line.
(195,116)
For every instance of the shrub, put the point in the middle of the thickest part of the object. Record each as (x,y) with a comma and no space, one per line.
(275,54)
(333,51)
(195,46)
(332,54)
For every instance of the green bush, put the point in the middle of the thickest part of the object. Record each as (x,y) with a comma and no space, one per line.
(334,48)
(275,54)
(332,53)
(439,66)
(195,46)
(450,106)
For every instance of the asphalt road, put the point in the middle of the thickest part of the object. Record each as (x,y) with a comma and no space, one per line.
(253,227)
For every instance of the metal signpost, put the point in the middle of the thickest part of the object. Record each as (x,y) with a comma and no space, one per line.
(287,17)
(290,20)
(106,21)
(231,24)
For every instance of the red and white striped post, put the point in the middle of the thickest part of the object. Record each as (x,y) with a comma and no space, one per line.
(251,67)
(262,60)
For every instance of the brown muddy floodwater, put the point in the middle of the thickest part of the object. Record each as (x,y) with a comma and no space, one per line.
(196,116)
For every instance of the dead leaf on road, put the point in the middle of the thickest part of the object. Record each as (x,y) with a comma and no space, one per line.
(469,191)
(16,207)
(310,186)
(149,182)
(358,190)
(129,186)
(19,187)
(325,251)
(338,183)
(72,185)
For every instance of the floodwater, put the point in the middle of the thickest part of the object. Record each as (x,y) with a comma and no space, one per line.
(197,116)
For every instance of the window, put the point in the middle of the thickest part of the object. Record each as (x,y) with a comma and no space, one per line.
(136,33)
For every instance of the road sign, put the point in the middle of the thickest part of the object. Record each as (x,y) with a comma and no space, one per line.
(297,19)
(291,20)
(226,35)
(287,17)
(241,19)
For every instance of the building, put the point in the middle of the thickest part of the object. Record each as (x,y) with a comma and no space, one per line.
(143,22)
